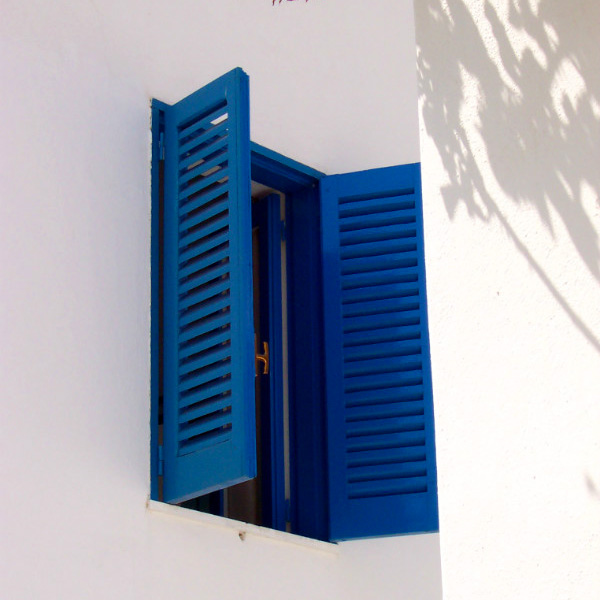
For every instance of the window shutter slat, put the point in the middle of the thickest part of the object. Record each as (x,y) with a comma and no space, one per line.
(208,423)
(382,474)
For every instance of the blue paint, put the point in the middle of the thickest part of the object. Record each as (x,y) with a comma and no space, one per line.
(361,415)
(309,509)
(156,282)
(308,505)
(266,216)
(280,172)
(208,334)
(381,454)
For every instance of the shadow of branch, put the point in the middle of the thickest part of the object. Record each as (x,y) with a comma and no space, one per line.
(592,488)
(547,128)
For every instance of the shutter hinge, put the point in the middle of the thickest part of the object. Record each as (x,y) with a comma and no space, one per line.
(283,232)
(161,462)
(161,145)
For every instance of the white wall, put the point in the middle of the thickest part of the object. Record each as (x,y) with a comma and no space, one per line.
(333,85)
(510,147)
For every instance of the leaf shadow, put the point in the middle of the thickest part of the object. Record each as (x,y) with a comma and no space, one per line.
(549,129)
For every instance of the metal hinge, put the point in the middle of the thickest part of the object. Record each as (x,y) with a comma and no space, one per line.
(161,462)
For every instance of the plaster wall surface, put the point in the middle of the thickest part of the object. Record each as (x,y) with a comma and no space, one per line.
(509,97)
(333,85)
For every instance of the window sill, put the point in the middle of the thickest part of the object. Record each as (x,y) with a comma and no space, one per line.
(243,530)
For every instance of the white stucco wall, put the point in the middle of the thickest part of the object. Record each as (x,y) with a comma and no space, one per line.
(332,84)
(510,149)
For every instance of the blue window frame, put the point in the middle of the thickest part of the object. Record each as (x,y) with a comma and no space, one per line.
(361,443)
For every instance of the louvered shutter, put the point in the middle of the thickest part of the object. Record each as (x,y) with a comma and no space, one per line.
(209,435)
(381,457)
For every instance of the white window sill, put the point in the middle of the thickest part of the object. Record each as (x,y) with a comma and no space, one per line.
(243,530)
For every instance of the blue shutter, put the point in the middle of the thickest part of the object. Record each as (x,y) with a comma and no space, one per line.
(208,426)
(381,456)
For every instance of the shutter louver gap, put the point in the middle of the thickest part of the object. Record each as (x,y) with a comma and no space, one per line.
(392,373)
(203,156)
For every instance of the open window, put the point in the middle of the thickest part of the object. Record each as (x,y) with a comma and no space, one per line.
(327,272)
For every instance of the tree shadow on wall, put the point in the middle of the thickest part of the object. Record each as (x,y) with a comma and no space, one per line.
(552,132)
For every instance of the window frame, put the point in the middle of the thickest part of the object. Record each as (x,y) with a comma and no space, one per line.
(308,205)
(307,510)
